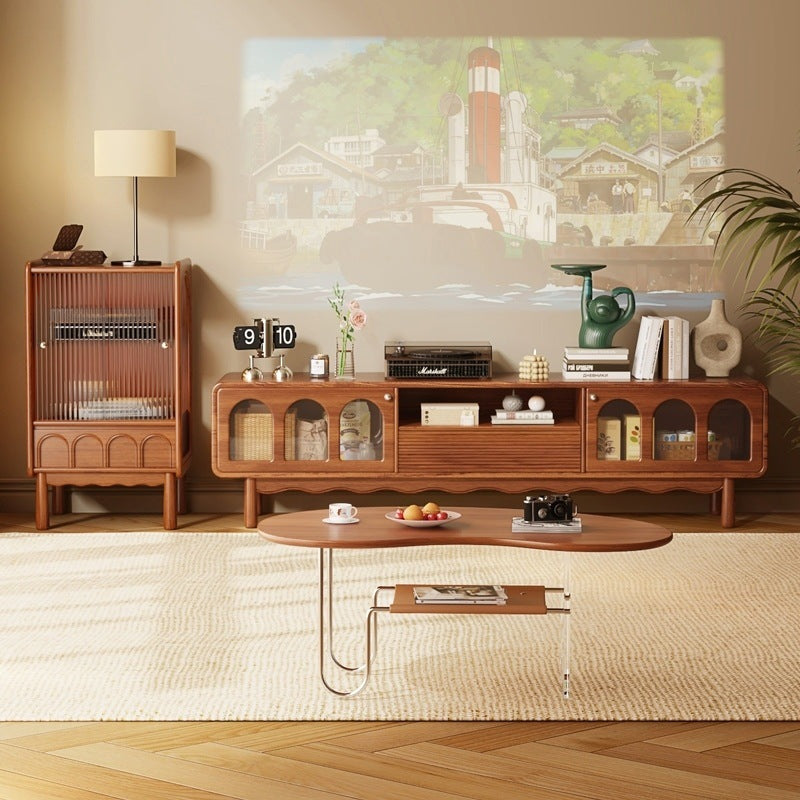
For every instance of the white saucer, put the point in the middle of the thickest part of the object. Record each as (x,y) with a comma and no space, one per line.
(346,521)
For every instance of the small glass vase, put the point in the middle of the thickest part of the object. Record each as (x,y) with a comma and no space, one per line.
(344,368)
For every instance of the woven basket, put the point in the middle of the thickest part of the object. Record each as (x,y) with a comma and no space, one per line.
(252,438)
(684,451)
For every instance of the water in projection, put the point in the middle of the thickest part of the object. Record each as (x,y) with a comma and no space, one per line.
(460,169)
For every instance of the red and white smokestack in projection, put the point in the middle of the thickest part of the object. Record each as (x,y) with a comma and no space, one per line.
(484,115)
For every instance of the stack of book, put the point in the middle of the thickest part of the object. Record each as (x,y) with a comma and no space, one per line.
(596,364)
(519,525)
(463,595)
(675,348)
(522,417)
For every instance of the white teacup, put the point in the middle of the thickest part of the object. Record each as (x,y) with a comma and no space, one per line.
(341,511)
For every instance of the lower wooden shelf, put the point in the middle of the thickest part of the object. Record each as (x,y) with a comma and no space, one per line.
(521,600)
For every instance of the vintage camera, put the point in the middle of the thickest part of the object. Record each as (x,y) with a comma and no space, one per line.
(548,508)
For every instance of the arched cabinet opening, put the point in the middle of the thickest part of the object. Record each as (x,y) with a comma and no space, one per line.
(305,432)
(361,431)
(251,432)
(729,431)
(619,432)
(675,426)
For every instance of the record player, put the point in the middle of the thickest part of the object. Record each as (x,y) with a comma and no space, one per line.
(438,360)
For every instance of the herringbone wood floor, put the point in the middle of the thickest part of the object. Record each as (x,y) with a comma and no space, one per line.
(384,761)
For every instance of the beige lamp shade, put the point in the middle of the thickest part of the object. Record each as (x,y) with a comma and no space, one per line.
(136,153)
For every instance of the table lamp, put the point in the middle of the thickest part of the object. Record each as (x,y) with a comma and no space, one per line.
(135,154)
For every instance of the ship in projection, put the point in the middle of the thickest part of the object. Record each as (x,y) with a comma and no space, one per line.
(498,219)
(487,224)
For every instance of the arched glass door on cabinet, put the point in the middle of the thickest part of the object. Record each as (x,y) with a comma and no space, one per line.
(675,431)
(305,432)
(619,432)
(361,431)
(251,435)
(729,435)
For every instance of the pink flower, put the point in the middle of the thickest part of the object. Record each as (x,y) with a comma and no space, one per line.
(358,319)
(354,304)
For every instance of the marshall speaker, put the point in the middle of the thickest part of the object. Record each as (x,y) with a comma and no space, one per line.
(431,360)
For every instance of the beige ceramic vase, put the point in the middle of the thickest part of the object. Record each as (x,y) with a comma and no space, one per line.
(717,343)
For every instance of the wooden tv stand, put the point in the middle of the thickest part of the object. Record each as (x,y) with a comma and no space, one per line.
(366,436)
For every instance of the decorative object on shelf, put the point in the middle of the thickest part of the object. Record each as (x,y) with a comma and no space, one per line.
(67,253)
(534,368)
(601,316)
(512,402)
(318,367)
(282,373)
(135,154)
(252,374)
(351,318)
(717,342)
(536,403)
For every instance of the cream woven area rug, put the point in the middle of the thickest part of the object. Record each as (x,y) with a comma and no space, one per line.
(198,626)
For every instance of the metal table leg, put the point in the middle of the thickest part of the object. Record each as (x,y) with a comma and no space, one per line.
(370,634)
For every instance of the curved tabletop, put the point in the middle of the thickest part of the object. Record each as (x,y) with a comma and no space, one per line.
(490,526)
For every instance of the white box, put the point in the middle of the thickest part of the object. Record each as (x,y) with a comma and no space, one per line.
(461,414)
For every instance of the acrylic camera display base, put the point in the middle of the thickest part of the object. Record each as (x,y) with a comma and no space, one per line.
(477,526)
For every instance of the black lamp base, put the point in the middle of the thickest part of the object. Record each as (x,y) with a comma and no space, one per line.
(136,263)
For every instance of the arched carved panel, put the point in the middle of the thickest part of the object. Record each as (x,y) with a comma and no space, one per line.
(123,452)
(157,452)
(87,451)
(53,452)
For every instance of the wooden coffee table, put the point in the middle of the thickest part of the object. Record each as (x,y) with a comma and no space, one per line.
(477,526)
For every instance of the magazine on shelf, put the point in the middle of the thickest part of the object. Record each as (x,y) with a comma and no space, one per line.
(574,525)
(465,595)
(524,421)
(502,413)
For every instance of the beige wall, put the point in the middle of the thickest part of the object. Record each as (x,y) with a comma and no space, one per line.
(71,67)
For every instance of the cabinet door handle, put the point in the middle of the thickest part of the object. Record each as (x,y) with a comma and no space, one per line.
(593,397)
(388,397)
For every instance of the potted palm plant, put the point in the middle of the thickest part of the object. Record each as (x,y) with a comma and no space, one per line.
(760,230)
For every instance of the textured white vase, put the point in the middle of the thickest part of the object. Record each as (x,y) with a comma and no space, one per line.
(717,343)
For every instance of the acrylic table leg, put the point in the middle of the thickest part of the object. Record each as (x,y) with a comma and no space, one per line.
(728,513)
(170,502)
(42,512)
(250,503)
(567,606)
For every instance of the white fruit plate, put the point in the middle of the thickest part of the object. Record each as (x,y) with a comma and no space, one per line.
(424,523)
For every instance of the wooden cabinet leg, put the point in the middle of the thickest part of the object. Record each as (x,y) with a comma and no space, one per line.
(182,496)
(728,513)
(41,513)
(716,503)
(60,500)
(170,502)
(250,503)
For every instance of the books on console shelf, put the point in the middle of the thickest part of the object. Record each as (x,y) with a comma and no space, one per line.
(645,357)
(597,375)
(596,354)
(574,525)
(501,413)
(463,595)
(505,421)
(675,348)
(596,366)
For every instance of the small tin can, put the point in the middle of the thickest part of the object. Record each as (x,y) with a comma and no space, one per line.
(686,436)
(318,368)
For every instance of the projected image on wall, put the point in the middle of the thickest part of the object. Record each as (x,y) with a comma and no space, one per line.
(463,168)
